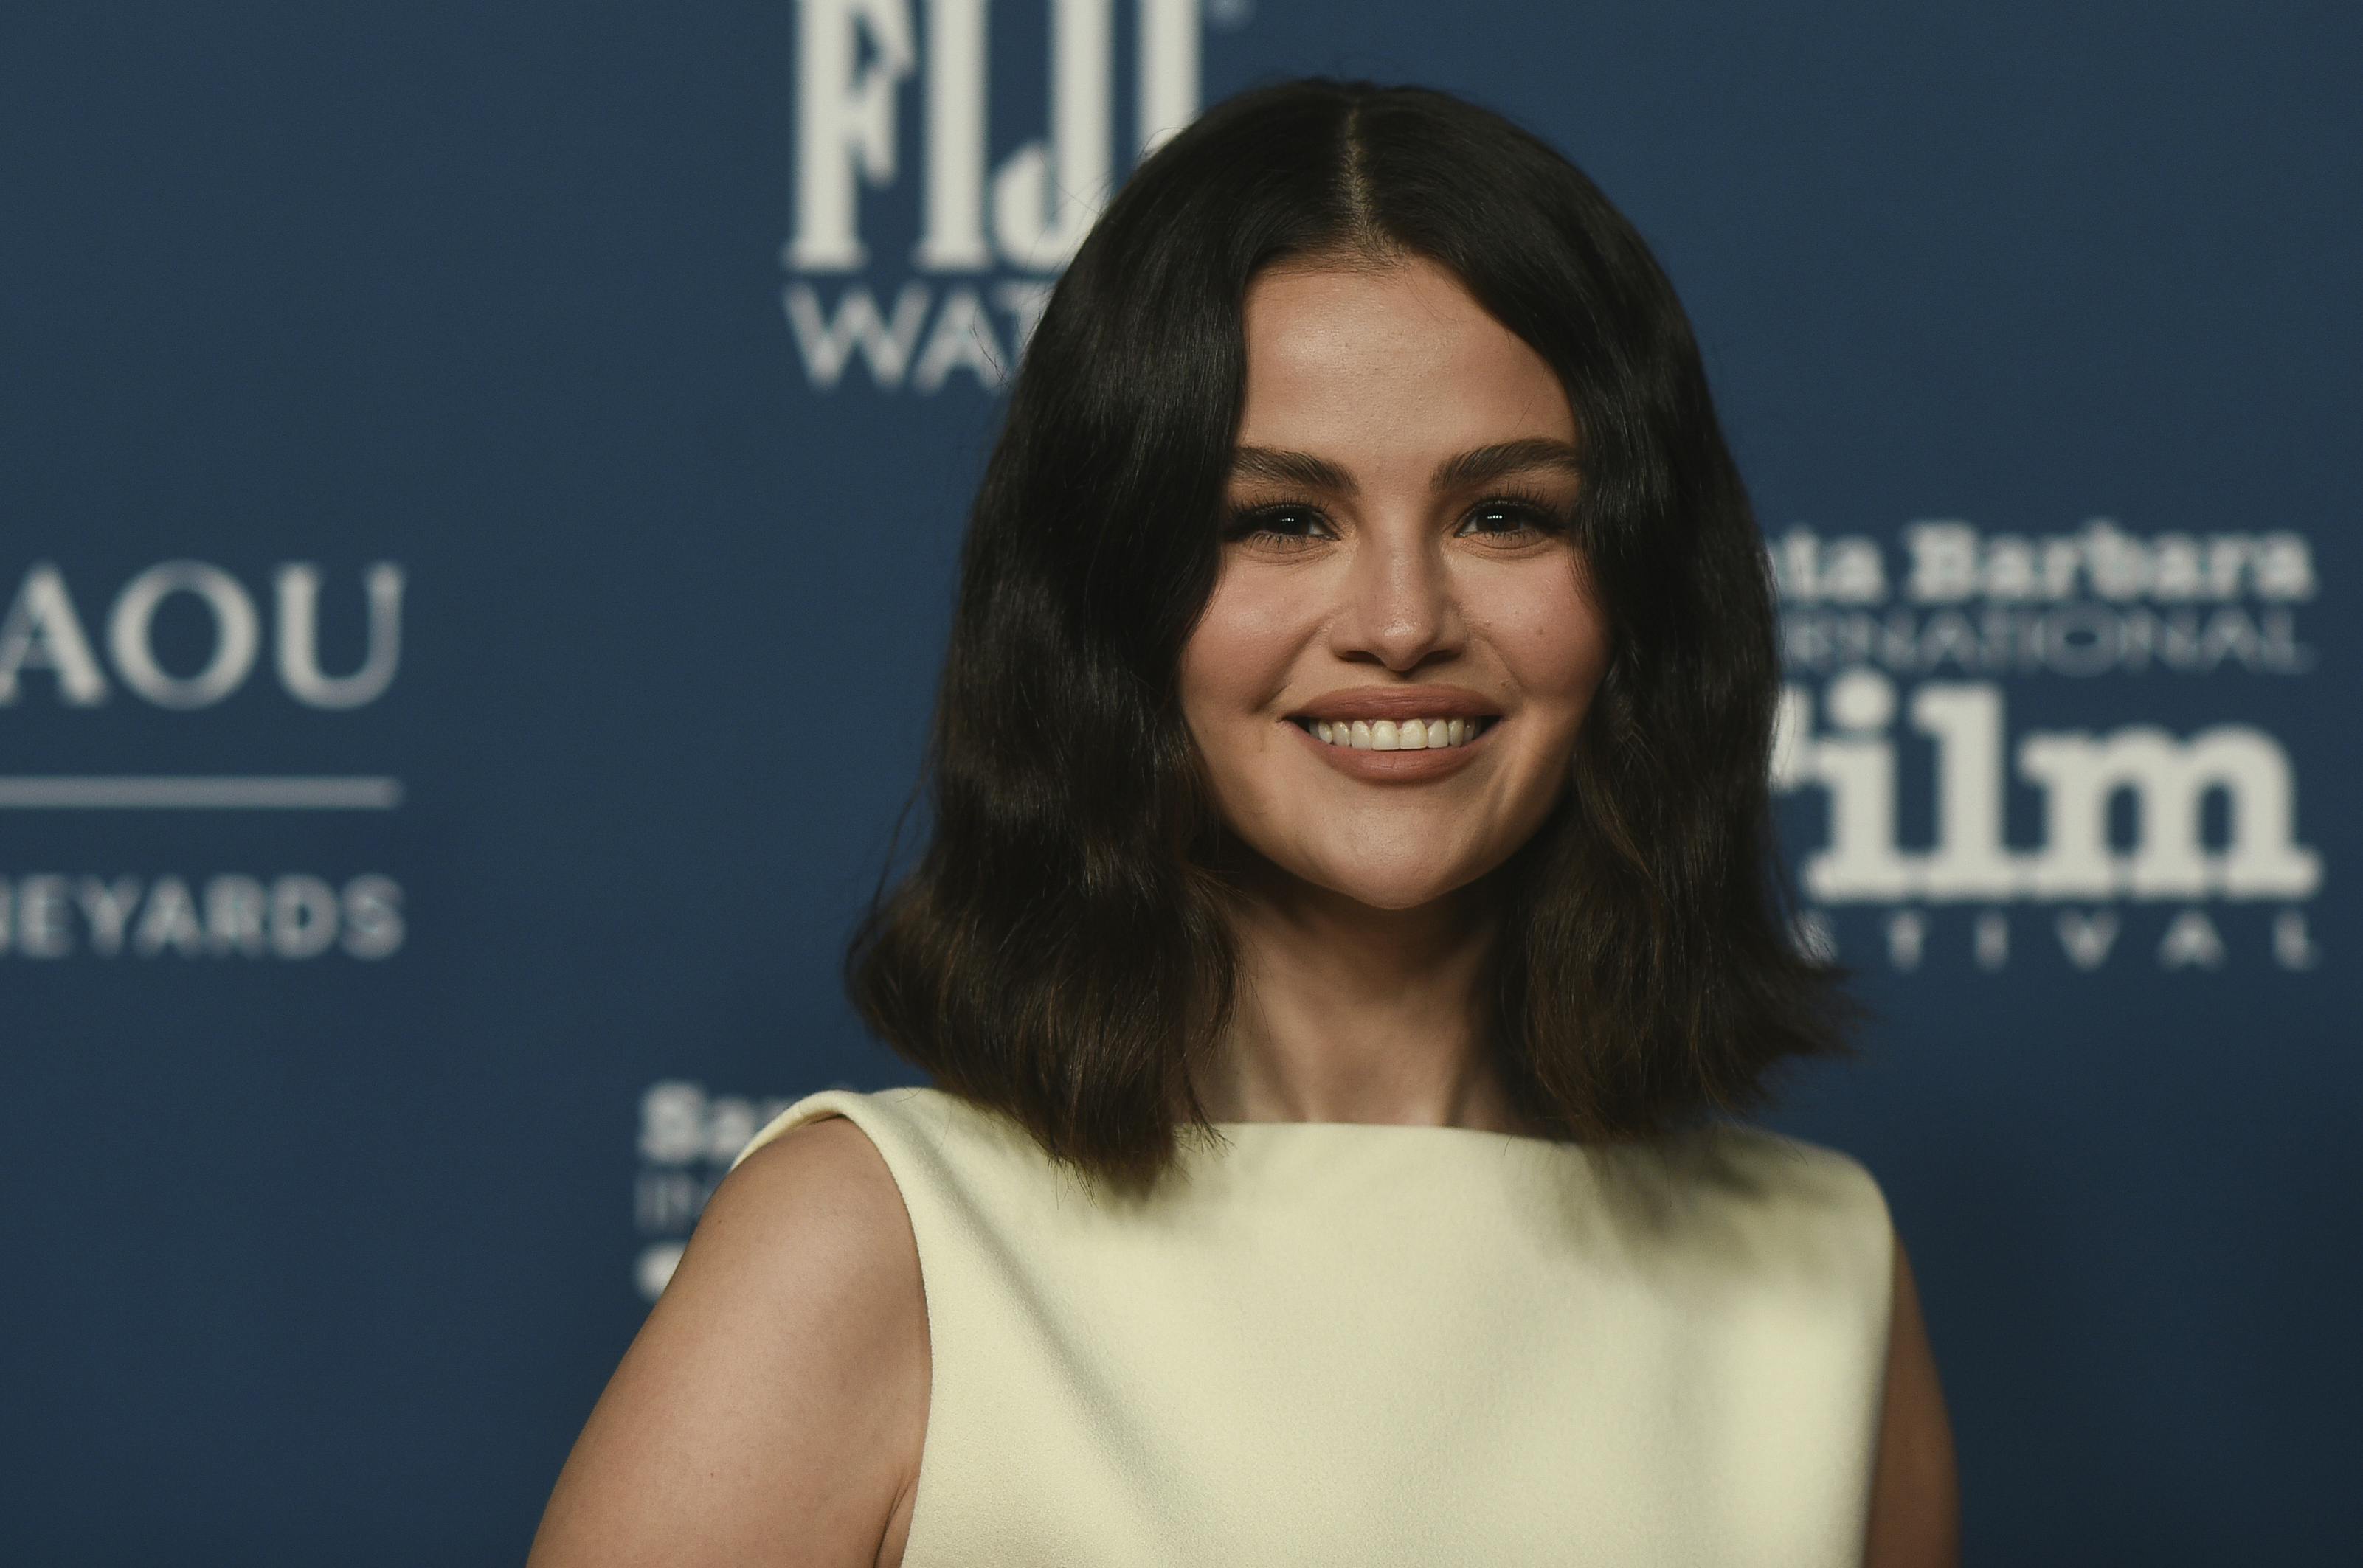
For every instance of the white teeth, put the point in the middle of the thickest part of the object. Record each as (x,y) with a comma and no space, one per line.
(1388,734)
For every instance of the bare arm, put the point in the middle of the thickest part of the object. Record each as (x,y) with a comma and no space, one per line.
(770,1409)
(1916,1503)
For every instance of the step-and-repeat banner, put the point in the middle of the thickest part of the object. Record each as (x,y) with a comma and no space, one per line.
(482,486)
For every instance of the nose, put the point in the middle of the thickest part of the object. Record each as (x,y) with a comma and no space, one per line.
(1401,605)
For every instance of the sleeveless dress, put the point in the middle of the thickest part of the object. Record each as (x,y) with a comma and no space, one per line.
(1374,1344)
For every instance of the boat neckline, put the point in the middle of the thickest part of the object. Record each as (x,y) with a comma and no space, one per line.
(1415,1128)
(1412,1127)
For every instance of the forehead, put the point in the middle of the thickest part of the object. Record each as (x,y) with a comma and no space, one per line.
(1387,367)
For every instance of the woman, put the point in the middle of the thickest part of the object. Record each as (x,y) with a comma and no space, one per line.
(1347,929)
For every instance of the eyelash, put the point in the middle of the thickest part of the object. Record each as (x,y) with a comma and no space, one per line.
(1541,517)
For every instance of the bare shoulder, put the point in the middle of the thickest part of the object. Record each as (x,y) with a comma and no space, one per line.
(771,1407)
(819,1194)
(1915,1507)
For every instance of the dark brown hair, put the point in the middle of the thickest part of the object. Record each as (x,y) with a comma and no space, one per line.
(1061,950)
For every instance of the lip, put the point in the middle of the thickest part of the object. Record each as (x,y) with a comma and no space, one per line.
(1399,703)
(1398,766)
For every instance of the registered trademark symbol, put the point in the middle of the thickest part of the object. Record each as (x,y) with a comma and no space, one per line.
(1229,13)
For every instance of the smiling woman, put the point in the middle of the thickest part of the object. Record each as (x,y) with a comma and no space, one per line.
(1401,509)
(1347,949)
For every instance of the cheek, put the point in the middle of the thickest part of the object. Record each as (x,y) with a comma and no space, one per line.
(1236,659)
(1555,643)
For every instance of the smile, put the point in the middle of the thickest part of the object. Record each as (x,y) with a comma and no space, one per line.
(1363,749)
(1388,734)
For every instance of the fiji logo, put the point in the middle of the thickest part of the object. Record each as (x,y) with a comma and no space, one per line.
(989,235)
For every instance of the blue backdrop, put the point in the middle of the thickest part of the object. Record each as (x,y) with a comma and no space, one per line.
(482,487)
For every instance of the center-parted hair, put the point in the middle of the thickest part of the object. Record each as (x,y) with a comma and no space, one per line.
(1061,951)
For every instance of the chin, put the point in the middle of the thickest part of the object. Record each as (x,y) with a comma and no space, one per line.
(1404,887)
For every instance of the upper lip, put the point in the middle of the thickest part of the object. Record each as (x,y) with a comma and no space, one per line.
(1398,703)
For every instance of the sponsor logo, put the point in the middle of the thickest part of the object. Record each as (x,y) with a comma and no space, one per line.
(233,915)
(1900,674)
(188,635)
(958,299)
(45,630)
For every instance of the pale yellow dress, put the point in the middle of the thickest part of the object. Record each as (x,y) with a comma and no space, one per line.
(1363,1345)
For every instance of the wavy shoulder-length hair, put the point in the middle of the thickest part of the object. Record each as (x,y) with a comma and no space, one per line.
(1061,950)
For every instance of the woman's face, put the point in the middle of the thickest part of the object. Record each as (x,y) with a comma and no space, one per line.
(1399,571)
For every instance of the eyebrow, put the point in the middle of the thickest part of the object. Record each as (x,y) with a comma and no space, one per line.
(1480,465)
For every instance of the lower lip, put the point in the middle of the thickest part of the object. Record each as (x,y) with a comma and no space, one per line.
(1396,767)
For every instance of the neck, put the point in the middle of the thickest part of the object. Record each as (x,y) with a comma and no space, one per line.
(1350,1013)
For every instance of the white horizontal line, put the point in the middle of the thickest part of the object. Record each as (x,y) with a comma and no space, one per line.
(134,792)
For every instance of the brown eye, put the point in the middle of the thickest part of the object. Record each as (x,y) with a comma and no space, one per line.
(1509,519)
(1285,524)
